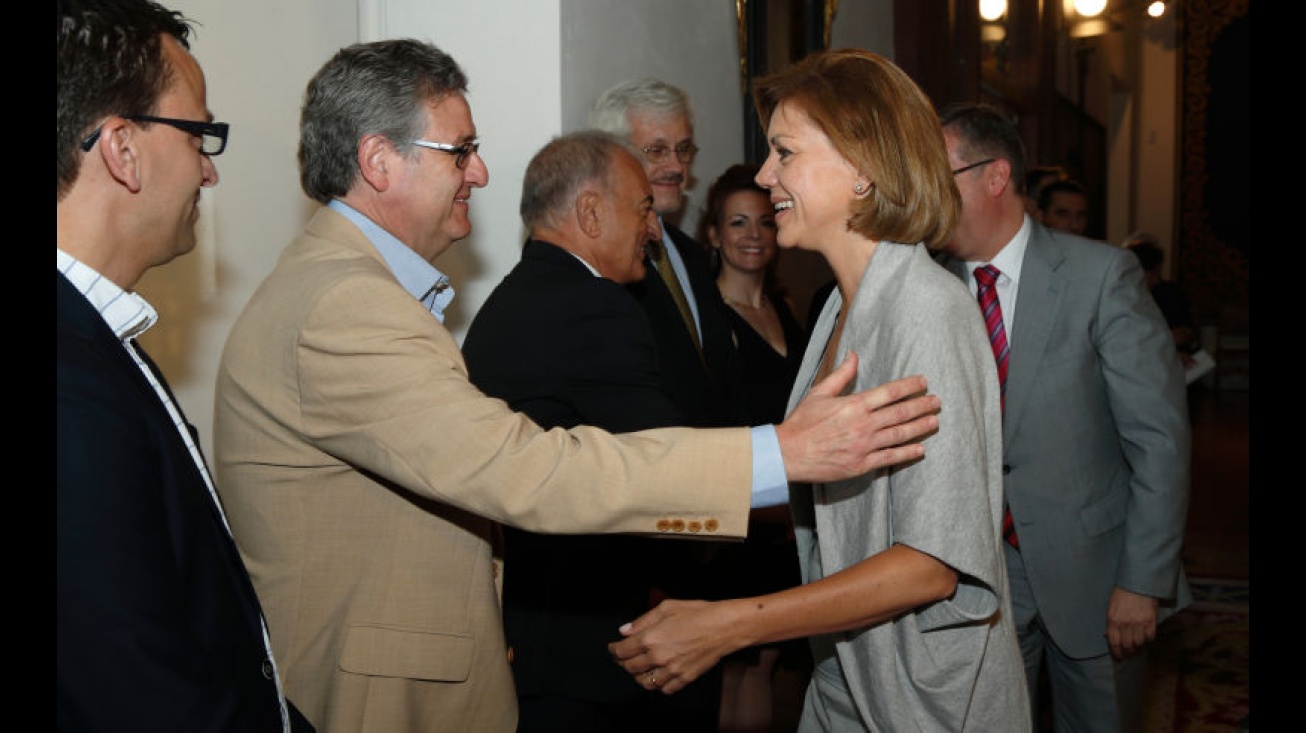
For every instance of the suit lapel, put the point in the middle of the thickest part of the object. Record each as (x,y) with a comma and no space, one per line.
(1037,310)
(79,315)
(690,250)
(76,313)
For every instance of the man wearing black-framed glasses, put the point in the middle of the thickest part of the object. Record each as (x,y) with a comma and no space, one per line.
(158,624)
(212,136)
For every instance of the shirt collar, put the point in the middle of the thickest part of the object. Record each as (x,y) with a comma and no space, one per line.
(419,278)
(581,260)
(1008,260)
(127,314)
(668,245)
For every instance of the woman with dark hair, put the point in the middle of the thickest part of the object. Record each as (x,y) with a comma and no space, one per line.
(904,596)
(738,225)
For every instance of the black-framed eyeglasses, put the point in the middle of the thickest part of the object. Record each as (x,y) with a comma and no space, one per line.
(461,152)
(212,135)
(973,166)
(655,154)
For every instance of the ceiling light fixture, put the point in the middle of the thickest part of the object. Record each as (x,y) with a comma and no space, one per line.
(1090,8)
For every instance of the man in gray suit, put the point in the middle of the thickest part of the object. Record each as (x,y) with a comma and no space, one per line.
(1095,436)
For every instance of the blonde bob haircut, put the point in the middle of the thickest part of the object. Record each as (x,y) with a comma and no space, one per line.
(882,123)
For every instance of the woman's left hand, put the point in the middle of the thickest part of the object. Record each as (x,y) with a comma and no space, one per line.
(675,643)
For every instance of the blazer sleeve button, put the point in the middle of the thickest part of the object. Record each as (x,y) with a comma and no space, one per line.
(267,669)
(711,525)
(664,525)
(695,526)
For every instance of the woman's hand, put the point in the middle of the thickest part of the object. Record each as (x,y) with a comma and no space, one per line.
(675,643)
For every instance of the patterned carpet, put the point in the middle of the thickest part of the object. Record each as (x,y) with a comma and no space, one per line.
(1199,676)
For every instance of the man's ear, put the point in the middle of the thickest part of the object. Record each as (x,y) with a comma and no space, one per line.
(119,147)
(375,156)
(998,176)
(589,213)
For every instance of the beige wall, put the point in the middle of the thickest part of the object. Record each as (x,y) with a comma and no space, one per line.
(257,57)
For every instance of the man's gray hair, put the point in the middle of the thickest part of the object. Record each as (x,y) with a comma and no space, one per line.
(649,96)
(562,169)
(381,87)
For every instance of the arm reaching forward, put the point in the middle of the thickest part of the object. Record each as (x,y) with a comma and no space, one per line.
(829,437)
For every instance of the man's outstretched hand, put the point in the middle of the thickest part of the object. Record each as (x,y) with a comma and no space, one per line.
(829,437)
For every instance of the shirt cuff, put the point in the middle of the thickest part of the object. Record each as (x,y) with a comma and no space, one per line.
(770,483)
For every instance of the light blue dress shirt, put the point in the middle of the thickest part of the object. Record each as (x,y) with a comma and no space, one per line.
(426,283)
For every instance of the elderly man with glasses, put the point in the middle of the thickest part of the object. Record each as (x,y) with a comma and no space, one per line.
(678,291)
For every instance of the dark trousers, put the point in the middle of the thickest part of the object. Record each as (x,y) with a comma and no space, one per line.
(695,709)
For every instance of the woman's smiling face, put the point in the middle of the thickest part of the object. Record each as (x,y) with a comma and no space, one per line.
(811,183)
(746,234)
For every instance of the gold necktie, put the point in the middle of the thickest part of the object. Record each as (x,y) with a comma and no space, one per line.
(668,273)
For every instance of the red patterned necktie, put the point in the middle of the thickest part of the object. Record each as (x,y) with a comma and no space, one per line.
(986,279)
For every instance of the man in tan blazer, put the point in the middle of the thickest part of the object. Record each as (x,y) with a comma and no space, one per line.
(363,474)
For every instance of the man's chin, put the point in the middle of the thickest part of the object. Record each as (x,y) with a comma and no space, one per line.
(185,244)
(667,204)
(457,233)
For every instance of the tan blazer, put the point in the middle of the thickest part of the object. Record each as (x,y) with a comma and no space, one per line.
(362,474)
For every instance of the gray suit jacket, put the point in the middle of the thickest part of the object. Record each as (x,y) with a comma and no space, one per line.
(1096,437)
(362,474)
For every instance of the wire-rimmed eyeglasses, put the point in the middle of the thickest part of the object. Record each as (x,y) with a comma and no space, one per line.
(212,135)
(461,152)
(973,166)
(659,153)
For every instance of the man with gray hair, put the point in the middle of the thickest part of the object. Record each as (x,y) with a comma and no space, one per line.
(678,292)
